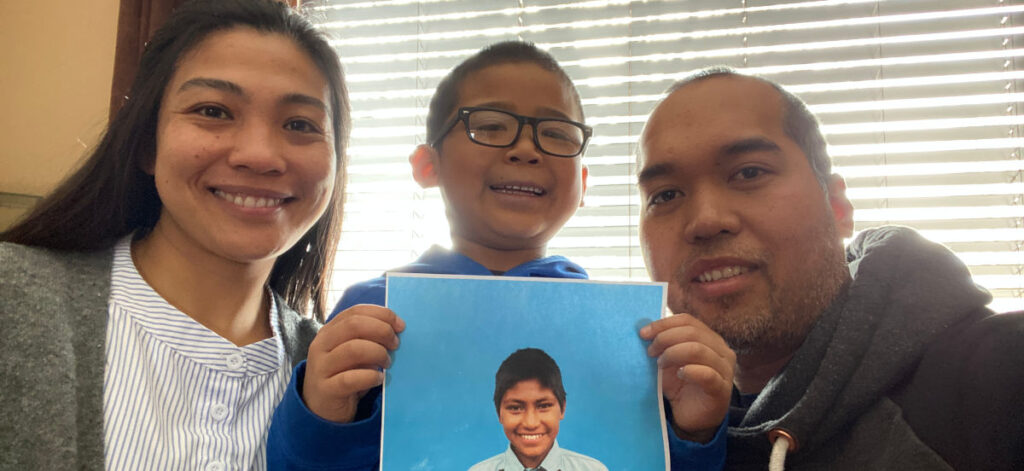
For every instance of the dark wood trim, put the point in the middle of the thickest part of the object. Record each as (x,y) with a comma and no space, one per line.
(137,21)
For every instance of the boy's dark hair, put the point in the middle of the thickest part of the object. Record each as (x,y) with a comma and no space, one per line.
(797,121)
(110,196)
(526,364)
(446,96)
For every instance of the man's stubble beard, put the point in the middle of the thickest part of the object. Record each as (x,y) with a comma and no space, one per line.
(781,320)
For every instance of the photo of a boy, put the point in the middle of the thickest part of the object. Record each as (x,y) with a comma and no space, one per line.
(530,401)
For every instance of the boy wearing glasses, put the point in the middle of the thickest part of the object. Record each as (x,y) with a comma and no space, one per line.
(504,145)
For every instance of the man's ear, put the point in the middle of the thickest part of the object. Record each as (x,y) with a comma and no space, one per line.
(424,165)
(583,194)
(842,209)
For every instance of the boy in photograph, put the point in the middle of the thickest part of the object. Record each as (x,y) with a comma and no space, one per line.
(530,401)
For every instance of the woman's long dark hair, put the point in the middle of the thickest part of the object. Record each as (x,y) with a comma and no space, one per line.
(110,196)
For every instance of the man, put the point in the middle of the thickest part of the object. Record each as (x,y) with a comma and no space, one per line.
(883,358)
(530,401)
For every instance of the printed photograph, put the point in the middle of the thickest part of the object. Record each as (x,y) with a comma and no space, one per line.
(519,373)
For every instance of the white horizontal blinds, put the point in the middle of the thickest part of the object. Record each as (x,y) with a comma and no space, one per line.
(924,125)
(919,100)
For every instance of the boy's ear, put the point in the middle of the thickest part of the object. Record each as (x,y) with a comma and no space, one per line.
(424,165)
(842,209)
(583,195)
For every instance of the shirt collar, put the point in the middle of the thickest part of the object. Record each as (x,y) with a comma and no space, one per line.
(552,462)
(167,324)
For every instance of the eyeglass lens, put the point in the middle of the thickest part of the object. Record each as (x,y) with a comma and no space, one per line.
(495,128)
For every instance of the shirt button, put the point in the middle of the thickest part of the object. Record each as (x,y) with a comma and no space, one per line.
(219,411)
(235,361)
(215,466)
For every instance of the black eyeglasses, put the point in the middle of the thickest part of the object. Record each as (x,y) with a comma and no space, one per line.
(498,128)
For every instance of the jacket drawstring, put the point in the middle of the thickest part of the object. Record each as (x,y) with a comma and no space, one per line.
(782,443)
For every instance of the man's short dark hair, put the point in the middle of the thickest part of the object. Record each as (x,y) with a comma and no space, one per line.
(799,124)
(446,96)
(526,364)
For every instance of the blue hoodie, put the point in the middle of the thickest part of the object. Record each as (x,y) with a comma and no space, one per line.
(300,440)
(439,261)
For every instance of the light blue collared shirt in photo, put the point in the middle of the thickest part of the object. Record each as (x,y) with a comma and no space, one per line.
(558,459)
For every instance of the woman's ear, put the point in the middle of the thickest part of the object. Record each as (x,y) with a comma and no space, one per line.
(842,209)
(148,165)
(424,165)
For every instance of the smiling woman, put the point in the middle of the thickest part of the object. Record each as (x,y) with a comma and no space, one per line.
(160,278)
(244,160)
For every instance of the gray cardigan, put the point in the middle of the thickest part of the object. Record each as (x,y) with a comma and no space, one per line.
(53,319)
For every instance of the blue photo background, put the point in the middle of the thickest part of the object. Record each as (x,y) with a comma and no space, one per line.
(439,412)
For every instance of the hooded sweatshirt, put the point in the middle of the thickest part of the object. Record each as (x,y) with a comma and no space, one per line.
(440,261)
(905,370)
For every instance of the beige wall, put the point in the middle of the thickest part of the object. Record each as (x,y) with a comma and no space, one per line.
(56,62)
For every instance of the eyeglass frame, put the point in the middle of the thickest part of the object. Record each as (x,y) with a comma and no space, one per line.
(462,114)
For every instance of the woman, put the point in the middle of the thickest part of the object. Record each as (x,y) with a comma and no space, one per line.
(145,303)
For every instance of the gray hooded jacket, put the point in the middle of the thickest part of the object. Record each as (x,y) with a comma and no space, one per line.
(907,370)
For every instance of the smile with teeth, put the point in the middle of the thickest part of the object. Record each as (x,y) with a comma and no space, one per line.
(248,201)
(532,437)
(518,190)
(721,273)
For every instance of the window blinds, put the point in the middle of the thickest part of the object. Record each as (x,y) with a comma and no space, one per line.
(919,101)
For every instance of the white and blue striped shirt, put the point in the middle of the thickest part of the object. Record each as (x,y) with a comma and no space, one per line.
(175,394)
